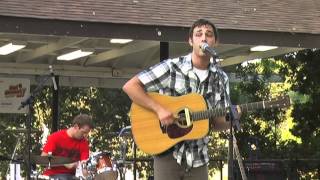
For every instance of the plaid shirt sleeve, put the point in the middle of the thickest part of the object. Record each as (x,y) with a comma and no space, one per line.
(156,77)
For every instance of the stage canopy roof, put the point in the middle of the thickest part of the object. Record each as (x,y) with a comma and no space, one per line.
(50,28)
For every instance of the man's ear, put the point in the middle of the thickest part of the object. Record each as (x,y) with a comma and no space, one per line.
(190,42)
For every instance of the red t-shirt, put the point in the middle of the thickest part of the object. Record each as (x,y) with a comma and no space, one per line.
(60,144)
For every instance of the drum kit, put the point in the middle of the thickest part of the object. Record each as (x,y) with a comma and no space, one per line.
(99,166)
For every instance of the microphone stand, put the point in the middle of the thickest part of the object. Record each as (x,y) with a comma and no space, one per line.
(232,116)
(234,121)
(29,102)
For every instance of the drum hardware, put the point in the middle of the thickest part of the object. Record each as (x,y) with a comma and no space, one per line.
(101,167)
(28,103)
(124,134)
(38,176)
(14,165)
(50,160)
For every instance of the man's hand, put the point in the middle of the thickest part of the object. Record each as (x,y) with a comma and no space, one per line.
(165,116)
(71,165)
(84,168)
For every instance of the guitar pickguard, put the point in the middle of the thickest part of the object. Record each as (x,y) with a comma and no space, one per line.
(174,131)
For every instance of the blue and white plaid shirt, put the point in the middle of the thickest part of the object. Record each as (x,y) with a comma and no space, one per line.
(175,77)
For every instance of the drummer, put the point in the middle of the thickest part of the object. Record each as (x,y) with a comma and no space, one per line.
(71,143)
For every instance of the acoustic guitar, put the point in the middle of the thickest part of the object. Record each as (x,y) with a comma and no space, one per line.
(192,120)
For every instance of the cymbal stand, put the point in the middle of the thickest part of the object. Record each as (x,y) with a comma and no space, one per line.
(49,159)
(13,155)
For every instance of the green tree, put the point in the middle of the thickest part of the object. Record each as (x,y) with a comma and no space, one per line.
(302,71)
(259,136)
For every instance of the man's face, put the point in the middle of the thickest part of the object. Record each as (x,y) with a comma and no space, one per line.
(82,132)
(202,34)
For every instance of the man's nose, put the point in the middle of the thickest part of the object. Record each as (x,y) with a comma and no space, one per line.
(204,38)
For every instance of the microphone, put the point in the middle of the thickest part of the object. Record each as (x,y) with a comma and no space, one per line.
(207,49)
(55,87)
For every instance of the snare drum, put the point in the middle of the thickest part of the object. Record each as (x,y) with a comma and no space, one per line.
(108,175)
(104,163)
(101,164)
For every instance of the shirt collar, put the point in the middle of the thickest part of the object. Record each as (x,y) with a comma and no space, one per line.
(187,65)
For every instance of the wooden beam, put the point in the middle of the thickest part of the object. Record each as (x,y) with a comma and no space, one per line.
(257,55)
(131,48)
(52,47)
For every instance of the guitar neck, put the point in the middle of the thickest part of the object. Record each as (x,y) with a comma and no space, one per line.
(212,113)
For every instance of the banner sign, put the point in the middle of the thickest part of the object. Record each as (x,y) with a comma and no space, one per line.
(12,92)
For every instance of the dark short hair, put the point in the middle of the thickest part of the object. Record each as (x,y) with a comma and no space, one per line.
(201,22)
(83,120)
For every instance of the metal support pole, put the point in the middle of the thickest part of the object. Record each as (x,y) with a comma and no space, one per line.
(164,51)
(134,161)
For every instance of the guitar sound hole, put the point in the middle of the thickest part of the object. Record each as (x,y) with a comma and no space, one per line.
(182,118)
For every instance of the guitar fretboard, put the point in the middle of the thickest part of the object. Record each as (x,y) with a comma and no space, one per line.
(211,113)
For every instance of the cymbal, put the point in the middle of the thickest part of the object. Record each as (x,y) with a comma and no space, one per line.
(21,130)
(54,160)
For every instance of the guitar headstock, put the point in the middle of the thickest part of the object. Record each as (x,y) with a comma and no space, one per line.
(279,102)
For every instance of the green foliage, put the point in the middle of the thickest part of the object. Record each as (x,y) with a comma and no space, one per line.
(9,138)
(303,72)
(259,136)
(13,133)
